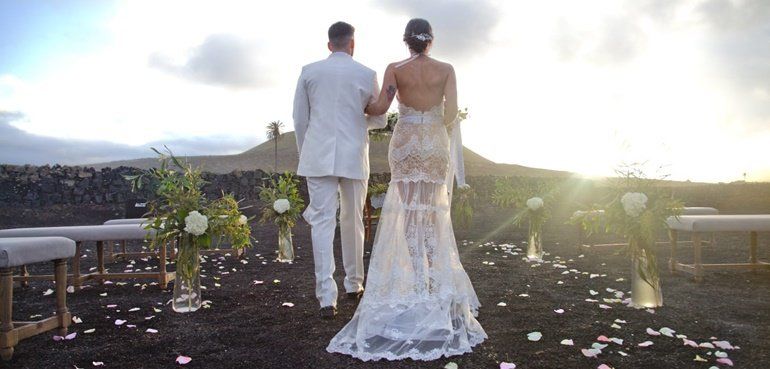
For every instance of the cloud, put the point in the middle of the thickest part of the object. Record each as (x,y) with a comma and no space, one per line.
(222,59)
(462,27)
(739,46)
(20,147)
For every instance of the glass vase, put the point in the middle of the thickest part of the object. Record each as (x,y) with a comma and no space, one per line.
(285,246)
(645,280)
(187,284)
(535,245)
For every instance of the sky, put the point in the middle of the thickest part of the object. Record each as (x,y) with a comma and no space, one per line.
(582,86)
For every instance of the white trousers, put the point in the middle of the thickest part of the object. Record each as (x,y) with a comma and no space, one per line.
(321,215)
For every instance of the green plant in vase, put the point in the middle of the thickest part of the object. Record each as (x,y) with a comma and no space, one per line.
(181,214)
(534,199)
(637,212)
(283,206)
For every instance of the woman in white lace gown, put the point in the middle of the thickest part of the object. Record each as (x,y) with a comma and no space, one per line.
(418,302)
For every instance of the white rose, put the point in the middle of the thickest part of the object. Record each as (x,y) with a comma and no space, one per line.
(535,203)
(242,220)
(634,203)
(196,223)
(281,206)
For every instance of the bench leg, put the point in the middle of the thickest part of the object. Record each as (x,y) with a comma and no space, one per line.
(76,265)
(8,337)
(111,252)
(24,273)
(696,244)
(672,235)
(753,247)
(162,266)
(100,259)
(60,275)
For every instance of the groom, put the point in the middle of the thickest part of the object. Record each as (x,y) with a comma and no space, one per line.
(333,145)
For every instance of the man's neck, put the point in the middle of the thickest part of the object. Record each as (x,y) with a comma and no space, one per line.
(342,51)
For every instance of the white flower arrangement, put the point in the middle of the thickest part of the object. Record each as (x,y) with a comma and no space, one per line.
(196,223)
(535,203)
(281,206)
(634,203)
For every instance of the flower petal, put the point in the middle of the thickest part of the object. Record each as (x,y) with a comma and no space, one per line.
(182,360)
(534,336)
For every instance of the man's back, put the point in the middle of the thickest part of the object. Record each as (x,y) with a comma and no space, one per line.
(329,117)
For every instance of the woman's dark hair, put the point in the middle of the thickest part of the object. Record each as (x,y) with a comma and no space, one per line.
(340,33)
(414,28)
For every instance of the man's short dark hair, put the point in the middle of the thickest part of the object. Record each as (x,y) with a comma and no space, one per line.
(340,33)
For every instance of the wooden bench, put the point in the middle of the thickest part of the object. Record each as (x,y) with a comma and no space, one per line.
(700,224)
(15,252)
(98,234)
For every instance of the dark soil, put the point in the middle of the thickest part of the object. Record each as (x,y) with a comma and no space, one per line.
(247,327)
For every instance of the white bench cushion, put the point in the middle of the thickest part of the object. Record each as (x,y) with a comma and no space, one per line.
(125,221)
(720,223)
(699,210)
(83,233)
(29,250)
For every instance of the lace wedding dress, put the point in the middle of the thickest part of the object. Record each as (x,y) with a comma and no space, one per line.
(418,302)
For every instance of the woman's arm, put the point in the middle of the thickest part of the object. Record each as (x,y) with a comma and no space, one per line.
(387,94)
(450,97)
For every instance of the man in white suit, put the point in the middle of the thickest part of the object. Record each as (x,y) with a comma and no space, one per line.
(333,143)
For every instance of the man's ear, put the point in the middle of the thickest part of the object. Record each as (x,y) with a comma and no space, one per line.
(329,45)
(352,45)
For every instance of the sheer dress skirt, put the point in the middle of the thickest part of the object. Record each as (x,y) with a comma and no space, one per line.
(418,302)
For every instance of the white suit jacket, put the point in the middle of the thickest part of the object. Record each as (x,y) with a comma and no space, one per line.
(329,120)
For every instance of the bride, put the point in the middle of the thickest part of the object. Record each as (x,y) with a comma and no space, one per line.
(418,302)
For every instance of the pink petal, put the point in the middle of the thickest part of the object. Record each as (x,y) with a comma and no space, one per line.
(507,365)
(559,311)
(119,322)
(98,363)
(604,366)
(182,360)
(71,336)
(725,361)
(590,352)
(652,332)
(603,338)
(150,330)
(645,344)
(724,345)
(58,338)
(690,343)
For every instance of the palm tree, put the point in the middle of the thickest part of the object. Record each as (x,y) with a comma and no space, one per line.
(273,132)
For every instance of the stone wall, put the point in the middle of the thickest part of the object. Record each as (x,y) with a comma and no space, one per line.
(43,186)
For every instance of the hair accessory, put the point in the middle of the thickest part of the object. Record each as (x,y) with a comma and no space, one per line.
(422,37)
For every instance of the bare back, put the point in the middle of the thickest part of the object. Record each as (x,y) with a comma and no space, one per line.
(420,82)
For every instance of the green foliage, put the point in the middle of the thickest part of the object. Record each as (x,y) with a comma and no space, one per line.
(375,189)
(286,187)
(462,207)
(514,193)
(178,193)
(641,231)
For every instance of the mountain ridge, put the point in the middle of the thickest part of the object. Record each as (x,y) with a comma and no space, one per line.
(262,157)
